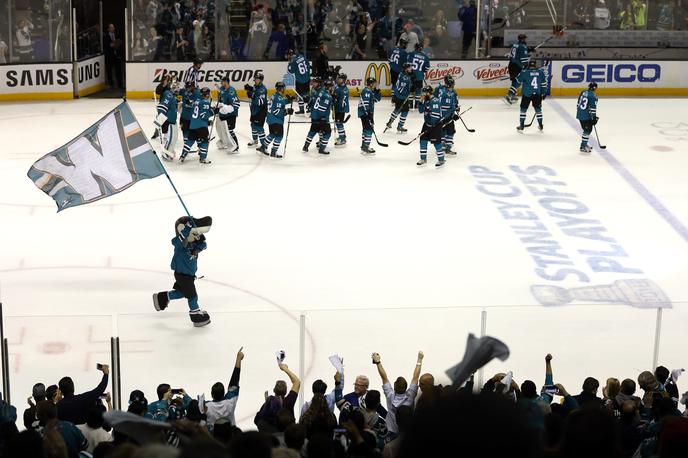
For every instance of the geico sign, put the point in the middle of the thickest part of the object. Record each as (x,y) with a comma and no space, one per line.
(209,76)
(611,73)
(376,71)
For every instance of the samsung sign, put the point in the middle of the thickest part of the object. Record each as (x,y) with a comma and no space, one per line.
(611,73)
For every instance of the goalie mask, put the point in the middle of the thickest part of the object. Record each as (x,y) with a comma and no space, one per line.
(202,225)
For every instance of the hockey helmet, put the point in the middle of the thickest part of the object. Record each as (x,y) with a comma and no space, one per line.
(225,79)
(419,46)
(592,86)
(290,53)
(370,81)
(189,86)
(402,43)
(199,226)
(522,37)
(205,93)
(407,66)
(329,85)
(280,86)
(258,76)
(342,76)
(449,81)
(532,63)
(428,90)
(198,61)
(317,81)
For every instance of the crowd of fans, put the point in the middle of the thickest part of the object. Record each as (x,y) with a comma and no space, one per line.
(415,418)
(629,14)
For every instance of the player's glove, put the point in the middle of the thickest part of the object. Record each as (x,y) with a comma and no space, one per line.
(290,98)
(290,111)
(377,91)
(455,117)
(531,48)
(594,121)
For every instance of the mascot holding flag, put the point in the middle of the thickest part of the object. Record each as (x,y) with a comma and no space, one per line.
(188,243)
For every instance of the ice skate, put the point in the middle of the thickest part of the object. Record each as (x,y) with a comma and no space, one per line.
(205,161)
(587,149)
(340,142)
(160,301)
(262,149)
(199,318)
(367,150)
(541,128)
(508,100)
(323,151)
(253,144)
(519,129)
(421,162)
(440,163)
(401,130)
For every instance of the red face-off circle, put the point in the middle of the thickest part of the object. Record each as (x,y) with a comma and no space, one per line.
(55,348)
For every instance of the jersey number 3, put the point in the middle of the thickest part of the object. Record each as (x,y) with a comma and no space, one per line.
(583,103)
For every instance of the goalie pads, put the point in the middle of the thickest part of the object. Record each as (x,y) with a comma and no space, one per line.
(160,119)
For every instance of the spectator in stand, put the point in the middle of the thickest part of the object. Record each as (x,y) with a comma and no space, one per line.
(138,404)
(295,437)
(321,64)
(649,384)
(183,49)
(93,430)
(37,395)
(53,393)
(257,36)
(278,44)
(602,15)
(112,45)
(590,433)
(356,399)
(320,388)
(410,36)
(223,403)
(318,418)
(155,45)
(609,393)
(73,439)
(74,408)
(373,421)
(588,395)
(626,393)
(467,16)
(3,51)
(140,47)
(24,42)
(402,394)
(639,14)
(169,406)
(383,34)
(429,393)
(427,48)
(358,51)
(662,375)
(630,428)
(404,416)
(266,418)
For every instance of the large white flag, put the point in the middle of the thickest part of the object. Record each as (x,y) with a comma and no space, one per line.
(105,159)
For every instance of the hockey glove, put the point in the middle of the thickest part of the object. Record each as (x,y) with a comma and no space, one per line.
(594,121)
(290,111)
(160,120)
(531,48)
(455,117)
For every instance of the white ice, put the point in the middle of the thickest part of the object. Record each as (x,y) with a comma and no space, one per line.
(376,253)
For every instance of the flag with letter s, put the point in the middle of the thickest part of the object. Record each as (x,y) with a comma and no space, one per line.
(105,159)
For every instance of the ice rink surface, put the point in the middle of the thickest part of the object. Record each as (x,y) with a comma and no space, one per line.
(376,253)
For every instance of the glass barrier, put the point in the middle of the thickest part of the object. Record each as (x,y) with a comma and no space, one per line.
(235,30)
(89,36)
(599,340)
(43,349)
(35,31)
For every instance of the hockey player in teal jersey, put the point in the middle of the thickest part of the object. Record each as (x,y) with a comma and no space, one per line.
(518,61)
(420,63)
(450,103)
(321,107)
(198,127)
(586,113)
(276,113)
(534,91)
(401,94)
(166,120)
(366,112)
(431,107)
(341,108)
(189,96)
(227,117)
(259,109)
(301,69)
(397,59)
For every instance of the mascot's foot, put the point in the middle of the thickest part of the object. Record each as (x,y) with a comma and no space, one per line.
(160,300)
(199,318)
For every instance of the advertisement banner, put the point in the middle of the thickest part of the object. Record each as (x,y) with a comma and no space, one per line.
(36,81)
(472,78)
(89,76)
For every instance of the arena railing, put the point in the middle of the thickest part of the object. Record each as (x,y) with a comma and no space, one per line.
(598,339)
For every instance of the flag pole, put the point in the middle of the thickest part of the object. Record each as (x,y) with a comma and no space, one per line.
(164,169)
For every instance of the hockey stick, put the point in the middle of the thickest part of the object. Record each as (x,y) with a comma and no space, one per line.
(388,126)
(464,124)
(531,121)
(286,137)
(384,145)
(401,142)
(331,122)
(215,119)
(594,126)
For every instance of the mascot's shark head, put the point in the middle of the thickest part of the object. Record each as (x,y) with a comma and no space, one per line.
(202,225)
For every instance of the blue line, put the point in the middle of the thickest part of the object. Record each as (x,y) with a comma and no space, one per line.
(640,188)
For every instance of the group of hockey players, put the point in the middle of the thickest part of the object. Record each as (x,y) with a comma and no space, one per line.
(325,99)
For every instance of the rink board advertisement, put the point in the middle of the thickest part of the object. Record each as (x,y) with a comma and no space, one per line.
(36,81)
(89,76)
(473,78)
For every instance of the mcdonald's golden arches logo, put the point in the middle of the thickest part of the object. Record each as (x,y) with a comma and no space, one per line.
(377,70)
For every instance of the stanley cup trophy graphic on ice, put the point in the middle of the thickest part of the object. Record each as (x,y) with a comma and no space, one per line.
(641,293)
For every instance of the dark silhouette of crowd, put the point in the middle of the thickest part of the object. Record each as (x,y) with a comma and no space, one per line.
(404,418)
